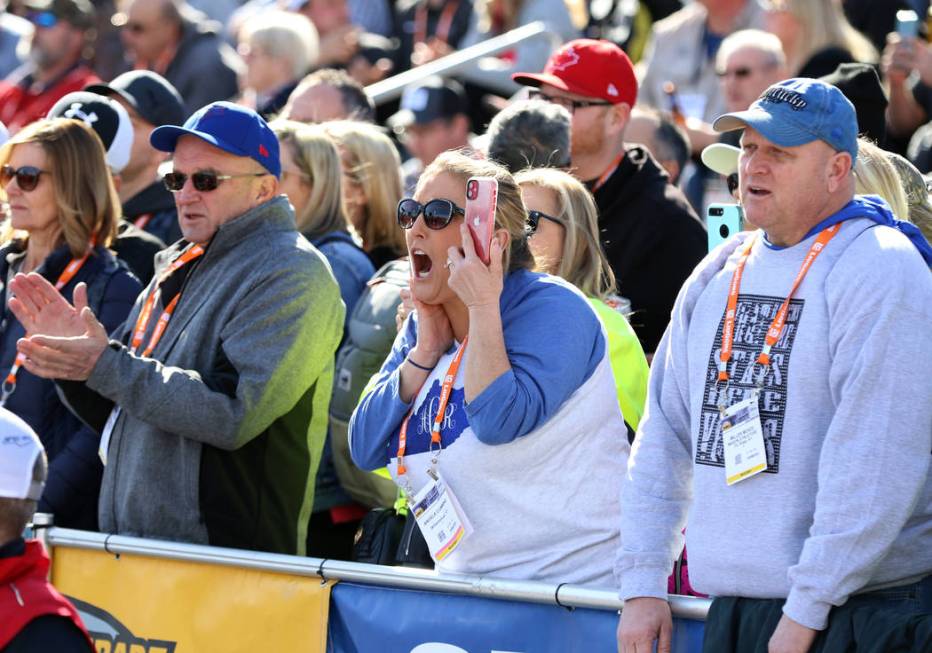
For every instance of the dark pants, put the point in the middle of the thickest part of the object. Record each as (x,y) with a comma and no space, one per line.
(883,621)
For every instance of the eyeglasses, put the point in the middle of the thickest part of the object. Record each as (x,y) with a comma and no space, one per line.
(27,177)
(42,18)
(204,181)
(533,220)
(567,103)
(437,213)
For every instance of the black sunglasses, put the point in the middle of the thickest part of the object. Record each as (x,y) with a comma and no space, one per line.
(204,181)
(27,177)
(437,213)
(533,220)
(567,103)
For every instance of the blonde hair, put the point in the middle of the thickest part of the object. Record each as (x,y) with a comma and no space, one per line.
(583,263)
(284,35)
(823,24)
(510,213)
(370,158)
(874,174)
(316,156)
(87,201)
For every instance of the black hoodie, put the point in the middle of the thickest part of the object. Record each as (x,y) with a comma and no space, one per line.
(652,238)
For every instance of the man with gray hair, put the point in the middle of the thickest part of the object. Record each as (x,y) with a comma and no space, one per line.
(530,134)
(35,616)
(329,94)
(666,141)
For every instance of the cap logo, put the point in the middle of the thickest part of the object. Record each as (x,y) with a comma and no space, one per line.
(18,440)
(781,95)
(564,59)
(262,151)
(77,111)
(611,90)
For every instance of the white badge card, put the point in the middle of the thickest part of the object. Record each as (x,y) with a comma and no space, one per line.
(440,518)
(743,438)
(105,436)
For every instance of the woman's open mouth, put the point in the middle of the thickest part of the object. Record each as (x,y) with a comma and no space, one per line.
(421,263)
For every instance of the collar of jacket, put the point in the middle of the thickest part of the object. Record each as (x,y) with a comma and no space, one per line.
(270,216)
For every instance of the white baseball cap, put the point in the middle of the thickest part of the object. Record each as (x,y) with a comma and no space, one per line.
(19,449)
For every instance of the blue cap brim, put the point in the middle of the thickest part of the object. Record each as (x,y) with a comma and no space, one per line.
(778,131)
(165,139)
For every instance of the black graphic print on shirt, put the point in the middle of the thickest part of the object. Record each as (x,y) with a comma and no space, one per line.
(753,316)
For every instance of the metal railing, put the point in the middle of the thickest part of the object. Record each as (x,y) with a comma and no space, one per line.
(391,88)
(419,579)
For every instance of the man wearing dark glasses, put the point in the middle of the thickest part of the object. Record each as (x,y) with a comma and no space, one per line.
(651,236)
(55,66)
(212,399)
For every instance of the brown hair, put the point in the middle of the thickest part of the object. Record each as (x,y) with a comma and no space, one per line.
(510,213)
(86,198)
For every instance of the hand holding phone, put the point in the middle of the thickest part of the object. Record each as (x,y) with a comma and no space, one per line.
(481,202)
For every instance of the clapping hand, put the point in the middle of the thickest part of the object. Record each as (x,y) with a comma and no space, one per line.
(62,341)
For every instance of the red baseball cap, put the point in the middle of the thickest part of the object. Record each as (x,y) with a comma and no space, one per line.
(588,67)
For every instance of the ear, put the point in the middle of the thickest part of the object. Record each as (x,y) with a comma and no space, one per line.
(503,238)
(267,188)
(617,117)
(838,170)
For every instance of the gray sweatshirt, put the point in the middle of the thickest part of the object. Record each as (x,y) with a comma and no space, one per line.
(845,503)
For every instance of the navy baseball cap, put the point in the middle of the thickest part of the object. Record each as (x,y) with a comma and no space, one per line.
(230,127)
(151,95)
(799,111)
(432,99)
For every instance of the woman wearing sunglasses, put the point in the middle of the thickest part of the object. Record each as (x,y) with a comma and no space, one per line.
(498,391)
(564,238)
(63,211)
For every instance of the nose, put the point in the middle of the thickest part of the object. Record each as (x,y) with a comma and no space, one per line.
(188,193)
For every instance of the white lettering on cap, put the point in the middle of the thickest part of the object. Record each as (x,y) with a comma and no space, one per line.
(75,111)
(611,90)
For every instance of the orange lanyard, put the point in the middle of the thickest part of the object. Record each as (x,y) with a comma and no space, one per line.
(141,221)
(444,23)
(779,321)
(608,173)
(142,323)
(445,390)
(9,383)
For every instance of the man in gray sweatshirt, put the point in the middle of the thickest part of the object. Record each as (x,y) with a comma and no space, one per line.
(212,399)
(788,425)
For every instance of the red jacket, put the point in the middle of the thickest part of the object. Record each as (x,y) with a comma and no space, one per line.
(24,102)
(25,594)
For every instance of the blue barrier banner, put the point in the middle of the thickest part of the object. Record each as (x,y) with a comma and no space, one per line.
(365,618)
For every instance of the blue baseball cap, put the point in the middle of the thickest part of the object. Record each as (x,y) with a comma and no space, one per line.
(230,127)
(799,111)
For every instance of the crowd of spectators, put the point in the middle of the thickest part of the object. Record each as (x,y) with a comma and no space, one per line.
(235,278)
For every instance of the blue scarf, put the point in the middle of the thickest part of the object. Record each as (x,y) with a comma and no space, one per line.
(873,207)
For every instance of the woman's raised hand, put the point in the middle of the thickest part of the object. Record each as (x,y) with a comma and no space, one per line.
(476,284)
(434,333)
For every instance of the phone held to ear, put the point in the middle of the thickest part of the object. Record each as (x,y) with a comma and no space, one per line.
(481,200)
(722,222)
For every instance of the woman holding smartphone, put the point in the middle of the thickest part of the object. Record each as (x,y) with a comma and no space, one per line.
(496,408)
(63,212)
(564,238)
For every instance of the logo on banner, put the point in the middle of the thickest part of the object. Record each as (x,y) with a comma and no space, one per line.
(111,635)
